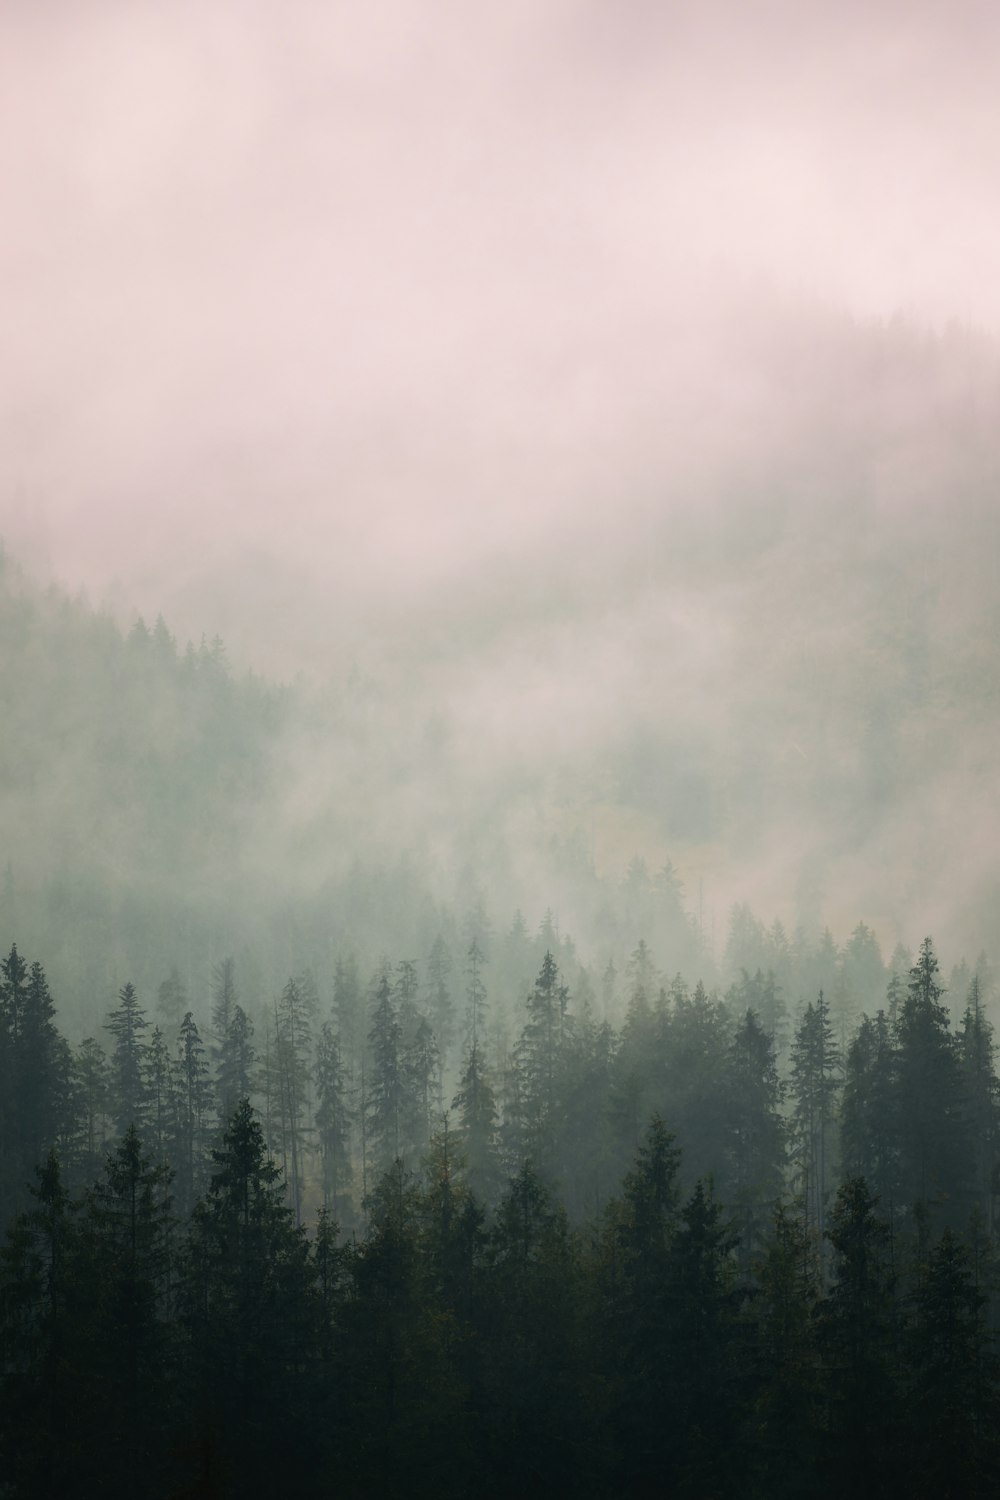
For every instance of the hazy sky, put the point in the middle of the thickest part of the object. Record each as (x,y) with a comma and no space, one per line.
(370,295)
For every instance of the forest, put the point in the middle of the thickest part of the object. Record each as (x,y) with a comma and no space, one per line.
(735,1246)
(329,1174)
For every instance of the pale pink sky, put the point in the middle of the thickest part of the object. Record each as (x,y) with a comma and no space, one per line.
(377,292)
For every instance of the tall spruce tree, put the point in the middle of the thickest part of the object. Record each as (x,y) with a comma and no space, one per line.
(386,1084)
(333,1119)
(981,1090)
(934,1141)
(869,1137)
(755,1156)
(859,1330)
(815,1085)
(193,1099)
(129,1099)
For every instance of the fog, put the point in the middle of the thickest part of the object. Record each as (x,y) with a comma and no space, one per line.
(612,390)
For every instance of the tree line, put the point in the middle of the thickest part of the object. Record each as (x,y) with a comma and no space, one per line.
(674,1256)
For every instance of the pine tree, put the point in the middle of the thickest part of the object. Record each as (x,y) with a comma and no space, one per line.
(814,1087)
(158,1082)
(705,1376)
(385,1102)
(225,999)
(248,1311)
(870,1111)
(951,1403)
(333,1119)
(696,1047)
(349,1011)
(192,1099)
(440,1005)
(126,1024)
(756,1135)
(859,1340)
(37,1060)
(475,996)
(787,1399)
(292,1061)
(128,1234)
(538,1057)
(236,1065)
(41,1324)
(422,1075)
(477,1129)
(90,1091)
(981,1091)
(935,1148)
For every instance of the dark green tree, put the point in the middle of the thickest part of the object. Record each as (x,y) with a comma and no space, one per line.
(751,1179)
(869,1138)
(386,1088)
(705,1374)
(129,1100)
(333,1119)
(539,1057)
(477,1129)
(951,1403)
(935,1149)
(815,1085)
(859,1339)
(192,1115)
(249,1315)
(236,1064)
(981,1091)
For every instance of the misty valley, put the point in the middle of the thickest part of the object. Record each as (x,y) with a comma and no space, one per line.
(329,1167)
(499,791)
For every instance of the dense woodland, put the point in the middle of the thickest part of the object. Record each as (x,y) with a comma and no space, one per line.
(322,1170)
(741,1245)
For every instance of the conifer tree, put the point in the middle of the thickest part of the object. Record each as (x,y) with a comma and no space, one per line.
(706,1374)
(291,1064)
(159,1086)
(128,1090)
(696,1049)
(870,1111)
(90,1090)
(788,1416)
(192,1100)
(41,1324)
(475,996)
(951,1402)
(756,1135)
(129,1248)
(477,1129)
(935,1148)
(422,1077)
(385,1101)
(37,1104)
(440,1005)
(815,1085)
(538,1057)
(859,1340)
(333,1119)
(981,1092)
(225,998)
(236,1064)
(349,1011)
(247,1300)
